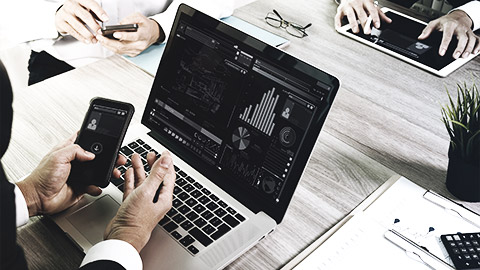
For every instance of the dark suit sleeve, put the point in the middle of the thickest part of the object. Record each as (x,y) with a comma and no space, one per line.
(11,254)
(103,264)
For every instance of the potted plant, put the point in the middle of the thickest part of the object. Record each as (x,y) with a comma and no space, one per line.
(462,120)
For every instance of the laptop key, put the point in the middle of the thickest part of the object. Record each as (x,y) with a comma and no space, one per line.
(193,249)
(222,204)
(186,225)
(140,141)
(199,208)
(172,212)
(188,187)
(133,145)
(200,222)
(220,212)
(176,235)
(184,209)
(206,191)
(146,146)
(240,217)
(178,219)
(182,173)
(187,240)
(170,226)
(215,221)
(196,193)
(144,155)
(204,199)
(191,202)
(190,179)
(180,181)
(176,168)
(139,150)
(198,185)
(230,221)
(164,221)
(231,210)
(223,229)
(212,206)
(116,181)
(207,215)
(176,203)
(126,151)
(213,197)
(208,229)
(183,196)
(200,236)
(192,216)
(176,190)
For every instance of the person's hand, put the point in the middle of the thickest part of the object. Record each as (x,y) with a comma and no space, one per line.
(139,214)
(457,23)
(358,11)
(133,43)
(74,14)
(46,190)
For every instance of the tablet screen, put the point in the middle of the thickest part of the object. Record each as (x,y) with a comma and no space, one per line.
(401,35)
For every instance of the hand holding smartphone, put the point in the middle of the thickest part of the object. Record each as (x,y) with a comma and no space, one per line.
(108,30)
(102,133)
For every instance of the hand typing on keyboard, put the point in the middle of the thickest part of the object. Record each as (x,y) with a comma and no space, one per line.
(139,214)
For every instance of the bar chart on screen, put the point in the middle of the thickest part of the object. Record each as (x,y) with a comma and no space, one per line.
(262,115)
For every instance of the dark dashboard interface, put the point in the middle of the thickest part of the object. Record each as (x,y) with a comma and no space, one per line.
(235,116)
(401,36)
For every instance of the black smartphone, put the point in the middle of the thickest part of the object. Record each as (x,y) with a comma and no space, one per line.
(102,133)
(108,30)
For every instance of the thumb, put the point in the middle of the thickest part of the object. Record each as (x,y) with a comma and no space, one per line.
(132,18)
(75,152)
(161,168)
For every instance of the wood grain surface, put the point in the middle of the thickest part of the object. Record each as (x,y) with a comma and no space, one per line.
(385,120)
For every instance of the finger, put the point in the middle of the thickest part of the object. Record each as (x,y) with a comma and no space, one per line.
(121,160)
(127,36)
(373,11)
(111,44)
(367,29)
(68,29)
(88,19)
(128,186)
(138,169)
(80,28)
(66,143)
(446,38)
(470,45)
(383,17)
(462,43)
(427,30)
(151,157)
(116,173)
(75,152)
(338,19)
(93,190)
(93,6)
(162,171)
(352,20)
(477,47)
(133,18)
(362,15)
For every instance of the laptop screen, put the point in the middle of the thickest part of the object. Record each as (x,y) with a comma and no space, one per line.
(242,113)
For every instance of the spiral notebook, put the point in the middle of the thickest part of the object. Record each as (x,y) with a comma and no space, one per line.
(364,239)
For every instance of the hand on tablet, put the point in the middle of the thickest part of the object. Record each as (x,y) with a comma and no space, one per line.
(133,43)
(358,12)
(72,17)
(457,24)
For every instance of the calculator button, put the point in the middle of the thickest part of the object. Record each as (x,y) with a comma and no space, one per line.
(468,257)
(452,244)
(475,243)
(456,237)
(468,243)
(449,238)
(463,250)
(471,250)
(456,250)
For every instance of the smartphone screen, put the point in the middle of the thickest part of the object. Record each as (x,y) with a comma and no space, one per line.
(102,133)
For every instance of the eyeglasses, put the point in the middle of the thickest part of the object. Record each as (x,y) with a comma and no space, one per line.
(274,19)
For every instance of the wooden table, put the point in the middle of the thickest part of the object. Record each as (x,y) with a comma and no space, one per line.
(385,120)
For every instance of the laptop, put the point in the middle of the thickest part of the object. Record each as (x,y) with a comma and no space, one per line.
(241,119)
(400,39)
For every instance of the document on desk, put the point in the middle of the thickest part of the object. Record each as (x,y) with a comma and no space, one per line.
(412,219)
(149,59)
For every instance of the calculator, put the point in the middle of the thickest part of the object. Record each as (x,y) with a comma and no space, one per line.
(464,249)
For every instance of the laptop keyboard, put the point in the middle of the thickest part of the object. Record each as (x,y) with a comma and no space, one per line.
(197,217)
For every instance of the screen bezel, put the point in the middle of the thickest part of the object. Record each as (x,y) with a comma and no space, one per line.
(239,192)
(444,72)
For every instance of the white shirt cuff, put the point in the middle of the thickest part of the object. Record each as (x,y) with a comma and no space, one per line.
(114,250)
(20,207)
(472,9)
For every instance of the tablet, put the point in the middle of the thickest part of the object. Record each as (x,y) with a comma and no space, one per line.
(399,39)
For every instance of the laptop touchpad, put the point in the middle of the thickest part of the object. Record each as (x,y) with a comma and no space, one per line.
(92,220)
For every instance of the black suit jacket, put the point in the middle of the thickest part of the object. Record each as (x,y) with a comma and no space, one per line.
(11,254)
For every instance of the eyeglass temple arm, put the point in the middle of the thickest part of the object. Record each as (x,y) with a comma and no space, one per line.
(276,13)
